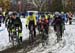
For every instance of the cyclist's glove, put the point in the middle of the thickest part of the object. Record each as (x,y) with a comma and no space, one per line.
(35,26)
(20,30)
(26,26)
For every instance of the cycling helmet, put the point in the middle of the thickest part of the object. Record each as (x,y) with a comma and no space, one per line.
(57,14)
(10,13)
(43,16)
(39,13)
(62,12)
(30,13)
(14,13)
(46,13)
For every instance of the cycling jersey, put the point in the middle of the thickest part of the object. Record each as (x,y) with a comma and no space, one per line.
(31,18)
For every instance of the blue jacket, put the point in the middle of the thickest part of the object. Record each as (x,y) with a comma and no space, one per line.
(38,17)
(64,17)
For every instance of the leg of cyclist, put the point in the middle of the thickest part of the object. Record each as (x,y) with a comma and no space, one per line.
(30,26)
(57,32)
(9,31)
(12,35)
(47,28)
(70,21)
(63,27)
(55,28)
(39,28)
(9,36)
(34,31)
(61,31)
(47,34)
(0,23)
(20,36)
(20,33)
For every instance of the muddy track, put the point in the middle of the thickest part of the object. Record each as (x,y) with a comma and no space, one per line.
(26,46)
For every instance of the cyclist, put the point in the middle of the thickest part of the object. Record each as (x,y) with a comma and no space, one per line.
(43,22)
(15,22)
(57,22)
(43,28)
(31,21)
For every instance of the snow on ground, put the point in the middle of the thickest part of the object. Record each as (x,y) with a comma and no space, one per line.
(25,31)
(67,45)
(70,40)
(3,37)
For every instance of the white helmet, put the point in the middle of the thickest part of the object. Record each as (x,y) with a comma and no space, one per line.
(57,14)
(62,12)
(10,13)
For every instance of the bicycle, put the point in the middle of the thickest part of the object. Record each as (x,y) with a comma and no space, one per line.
(14,34)
(44,34)
(17,36)
(58,33)
(31,34)
(70,22)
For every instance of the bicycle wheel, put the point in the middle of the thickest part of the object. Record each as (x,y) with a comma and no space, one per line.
(31,35)
(58,33)
(44,38)
(17,36)
(12,38)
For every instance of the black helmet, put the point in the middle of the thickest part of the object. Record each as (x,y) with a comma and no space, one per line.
(0,13)
(39,12)
(14,14)
(30,13)
(43,16)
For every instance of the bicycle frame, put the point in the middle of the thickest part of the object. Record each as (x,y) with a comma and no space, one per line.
(12,37)
(15,34)
(31,34)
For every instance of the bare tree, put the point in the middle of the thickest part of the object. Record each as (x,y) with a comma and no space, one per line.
(39,3)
